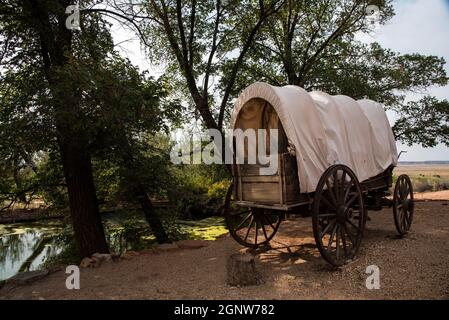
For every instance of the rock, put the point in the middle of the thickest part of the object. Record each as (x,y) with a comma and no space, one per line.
(103,257)
(85,263)
(192,244)
(96,262)
(166,247)
(28,277)
(241,270)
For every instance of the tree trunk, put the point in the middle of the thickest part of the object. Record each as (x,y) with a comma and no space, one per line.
(241,270)
(56,50)
(86,220)
(140,192)
(150,215)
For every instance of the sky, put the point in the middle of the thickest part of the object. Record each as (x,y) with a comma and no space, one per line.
(419,26)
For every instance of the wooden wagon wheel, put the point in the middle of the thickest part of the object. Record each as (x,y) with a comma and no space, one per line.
(252,227)
(403,205)
(338,215)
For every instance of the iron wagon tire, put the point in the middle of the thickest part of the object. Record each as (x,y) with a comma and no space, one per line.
(338,212)
(403,204)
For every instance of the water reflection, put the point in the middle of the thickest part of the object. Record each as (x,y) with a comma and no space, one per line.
(27,247)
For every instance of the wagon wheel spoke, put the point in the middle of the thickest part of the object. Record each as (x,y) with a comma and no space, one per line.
(243,222)
(336,191)
(328,204)
(337,243)
(343,240)
(404,220)
(406,191)
(351,201)
(327,228)
(408,218)
(343,183)
(331,238)
(353,241)
(264,231)
(348,189)
(329,189)
(268,221)
(255,238)
(249,228)
(402,193)
(353,225)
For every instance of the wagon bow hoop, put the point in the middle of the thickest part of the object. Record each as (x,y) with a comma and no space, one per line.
(400,153)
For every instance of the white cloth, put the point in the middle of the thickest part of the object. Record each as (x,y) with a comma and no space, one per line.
(325,130)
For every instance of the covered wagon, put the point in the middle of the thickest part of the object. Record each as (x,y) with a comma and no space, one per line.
(335,161)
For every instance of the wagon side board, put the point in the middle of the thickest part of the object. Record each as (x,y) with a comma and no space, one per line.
(281,191)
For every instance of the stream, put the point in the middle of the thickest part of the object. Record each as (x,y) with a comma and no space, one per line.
(29,246)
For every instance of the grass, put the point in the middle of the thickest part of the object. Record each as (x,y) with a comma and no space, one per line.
(425,178)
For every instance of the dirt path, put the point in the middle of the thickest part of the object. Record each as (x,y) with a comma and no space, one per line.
(416,267)
(438,195)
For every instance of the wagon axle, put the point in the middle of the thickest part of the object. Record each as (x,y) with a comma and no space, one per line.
(344,213)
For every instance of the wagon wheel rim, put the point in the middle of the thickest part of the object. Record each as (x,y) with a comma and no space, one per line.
(338,215)
(252,227)
(403,204)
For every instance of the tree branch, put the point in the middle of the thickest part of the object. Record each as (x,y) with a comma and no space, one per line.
(249,41)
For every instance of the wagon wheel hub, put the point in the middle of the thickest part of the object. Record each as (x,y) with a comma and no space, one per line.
(342,214)
(407,204)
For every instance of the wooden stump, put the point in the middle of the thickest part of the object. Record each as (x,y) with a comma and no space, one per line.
(242,271)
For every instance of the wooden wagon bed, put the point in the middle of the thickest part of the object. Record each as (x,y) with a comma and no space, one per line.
(282,191)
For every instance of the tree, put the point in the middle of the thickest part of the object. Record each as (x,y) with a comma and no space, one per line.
(113,110)
(218,47)
(313,44)
(201,37)
(37,43)
(130,109)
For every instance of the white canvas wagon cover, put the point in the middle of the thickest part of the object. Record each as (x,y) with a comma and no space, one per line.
(323,129)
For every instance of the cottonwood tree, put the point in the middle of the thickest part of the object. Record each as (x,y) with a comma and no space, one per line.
(35,39)
(313,44)
(194,39)
(130,109)
(60,92)
(217,47)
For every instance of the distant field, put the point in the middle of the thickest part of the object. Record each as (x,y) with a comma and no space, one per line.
(426,177)
(426,170)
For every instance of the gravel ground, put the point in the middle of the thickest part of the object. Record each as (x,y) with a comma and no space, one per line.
(415,267)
